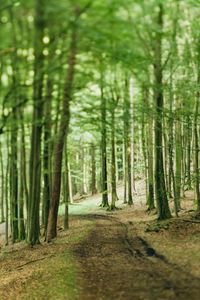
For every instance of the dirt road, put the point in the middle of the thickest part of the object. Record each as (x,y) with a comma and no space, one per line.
(118,264)
(105,256)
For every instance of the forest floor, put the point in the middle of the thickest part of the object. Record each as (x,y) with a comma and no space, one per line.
(125,254)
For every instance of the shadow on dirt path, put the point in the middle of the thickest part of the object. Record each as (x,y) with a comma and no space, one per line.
(118,264)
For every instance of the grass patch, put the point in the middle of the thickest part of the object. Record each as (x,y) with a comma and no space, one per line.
(57,280)
(46,272)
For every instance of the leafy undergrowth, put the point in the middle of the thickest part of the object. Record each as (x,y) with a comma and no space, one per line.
(48,271)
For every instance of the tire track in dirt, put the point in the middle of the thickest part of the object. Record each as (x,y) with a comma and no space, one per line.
(117,264)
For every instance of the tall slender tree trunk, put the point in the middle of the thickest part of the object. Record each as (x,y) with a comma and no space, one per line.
(125,167)
(178,149)
(127,139)
(113,162)
(188,160)
(144,144)
(172,179)
(132,136)
(23,156)
(47,151)
(70,184)
(130,196)
(14,140)
(14,181)
(171,144)
(196,134)
(103,147)
(35,154)
(93,158)
(150,199)
(150,157)
(67,189)
(165,153)
(21,225)
(84,170)
(2,186)
(160,188)
(62,134)
(196,139)
(7,199)
(116,162)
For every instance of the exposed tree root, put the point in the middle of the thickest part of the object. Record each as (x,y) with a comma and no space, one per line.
(113,208)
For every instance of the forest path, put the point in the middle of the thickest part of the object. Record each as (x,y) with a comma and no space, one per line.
(108,255)
(91,204)
(116,263)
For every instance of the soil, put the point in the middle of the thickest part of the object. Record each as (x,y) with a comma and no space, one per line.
(118,264)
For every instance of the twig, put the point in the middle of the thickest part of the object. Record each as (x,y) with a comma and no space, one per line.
(30,262)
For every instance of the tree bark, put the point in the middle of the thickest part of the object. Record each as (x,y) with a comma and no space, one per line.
(47,152)
(62,134)
(66,190)
(21,225)
(103,148)
(178,151)
(196,137)
(93,158)
(150,157)
(160,188)
(113,162)
(2,186)
(35,154)
(127,140)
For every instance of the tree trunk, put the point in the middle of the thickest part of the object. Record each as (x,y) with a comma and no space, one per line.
(125,167)
(144,139)
(62,134)
(171,144)
(103,148)
(70,184)
(14,181)
(7,198)
(21,225)
(160,189)
(67,190)
(35,154)
(188,161)
(93,158)
(178,149)
(150,157)
(196,138)
(47,151)
(127,140)
(132,137)
(150,199)
(23,150)
(2,186)
(84,170)
(113,162)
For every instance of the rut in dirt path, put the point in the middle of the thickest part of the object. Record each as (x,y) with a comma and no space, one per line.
(116,264)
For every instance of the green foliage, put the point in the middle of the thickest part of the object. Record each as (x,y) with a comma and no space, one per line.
(116,39)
